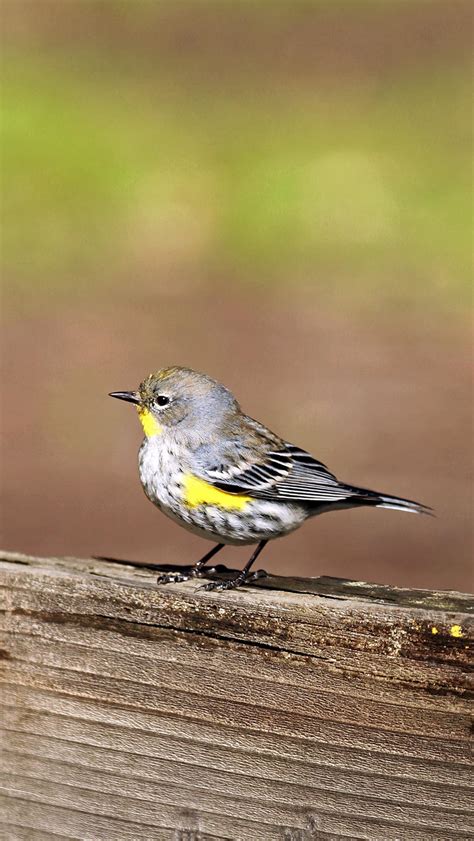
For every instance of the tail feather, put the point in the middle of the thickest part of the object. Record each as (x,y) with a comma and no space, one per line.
(379,500)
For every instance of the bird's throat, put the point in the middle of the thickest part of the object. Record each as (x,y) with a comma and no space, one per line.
(151,427)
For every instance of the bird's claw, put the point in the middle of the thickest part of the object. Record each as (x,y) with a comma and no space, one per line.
(233,583)
(178,577)
(172,577)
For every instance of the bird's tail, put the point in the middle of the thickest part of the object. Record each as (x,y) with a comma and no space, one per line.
(361,496)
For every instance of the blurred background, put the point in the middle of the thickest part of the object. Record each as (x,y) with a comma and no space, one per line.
(278,194)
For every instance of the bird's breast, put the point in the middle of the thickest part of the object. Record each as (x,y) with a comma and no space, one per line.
(169,483)
(160,470)
(168,480)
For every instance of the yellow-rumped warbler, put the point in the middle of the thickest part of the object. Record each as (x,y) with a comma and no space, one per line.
(225,476)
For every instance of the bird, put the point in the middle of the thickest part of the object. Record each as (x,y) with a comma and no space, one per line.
(225,476)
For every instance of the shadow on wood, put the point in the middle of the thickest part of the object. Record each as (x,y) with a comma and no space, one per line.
(296,709)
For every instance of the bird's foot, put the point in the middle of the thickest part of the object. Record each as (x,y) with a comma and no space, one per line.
(238,581)
(186,575)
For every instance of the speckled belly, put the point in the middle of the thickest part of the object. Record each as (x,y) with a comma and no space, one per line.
(162,478)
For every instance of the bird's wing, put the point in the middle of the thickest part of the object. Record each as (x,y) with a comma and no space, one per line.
(285,473)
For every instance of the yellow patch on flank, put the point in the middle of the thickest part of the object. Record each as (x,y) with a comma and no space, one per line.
(150,425)
(456,631)
(198,492)
(434,630)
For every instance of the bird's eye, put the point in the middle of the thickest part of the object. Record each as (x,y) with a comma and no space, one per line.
(162,400)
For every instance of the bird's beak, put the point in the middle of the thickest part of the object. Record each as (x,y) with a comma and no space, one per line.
(129,396)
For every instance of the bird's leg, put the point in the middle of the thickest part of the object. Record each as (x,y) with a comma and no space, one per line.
(196,571)
(200,567)
(243,577)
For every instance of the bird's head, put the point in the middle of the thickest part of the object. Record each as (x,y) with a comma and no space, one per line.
(181,398)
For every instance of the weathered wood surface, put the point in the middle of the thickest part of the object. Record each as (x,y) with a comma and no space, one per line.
(324,710)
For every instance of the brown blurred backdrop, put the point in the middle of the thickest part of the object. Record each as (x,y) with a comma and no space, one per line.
(276,194)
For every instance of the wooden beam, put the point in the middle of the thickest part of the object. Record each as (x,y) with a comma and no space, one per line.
(294,709)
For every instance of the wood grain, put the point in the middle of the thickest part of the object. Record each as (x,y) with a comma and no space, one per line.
(325,710)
